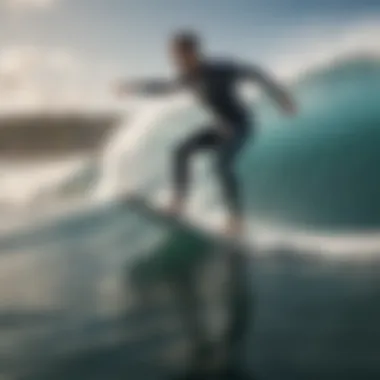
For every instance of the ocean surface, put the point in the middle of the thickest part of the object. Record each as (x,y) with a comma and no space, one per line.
(71,254)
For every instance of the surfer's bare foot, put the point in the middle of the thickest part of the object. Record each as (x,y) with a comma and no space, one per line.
(235,226)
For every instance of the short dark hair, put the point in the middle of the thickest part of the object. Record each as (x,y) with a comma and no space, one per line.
(187,40)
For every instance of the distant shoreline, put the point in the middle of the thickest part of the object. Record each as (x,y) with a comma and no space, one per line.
(53,135)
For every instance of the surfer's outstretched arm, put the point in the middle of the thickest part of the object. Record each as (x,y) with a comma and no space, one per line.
(149,87)
(271,87)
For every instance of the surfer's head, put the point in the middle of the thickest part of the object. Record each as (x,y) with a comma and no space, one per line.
(186,50)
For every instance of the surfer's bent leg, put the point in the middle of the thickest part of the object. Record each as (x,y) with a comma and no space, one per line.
(227,154)
(207,138)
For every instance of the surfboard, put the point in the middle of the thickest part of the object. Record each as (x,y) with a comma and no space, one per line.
(152,212)
(183,250)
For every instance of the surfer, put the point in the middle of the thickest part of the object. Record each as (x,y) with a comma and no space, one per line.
(214,84)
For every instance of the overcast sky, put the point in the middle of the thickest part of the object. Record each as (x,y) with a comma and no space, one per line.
(55,50)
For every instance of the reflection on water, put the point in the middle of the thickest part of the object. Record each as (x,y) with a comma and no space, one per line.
(74,304)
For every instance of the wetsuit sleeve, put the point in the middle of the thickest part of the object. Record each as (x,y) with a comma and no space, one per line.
(257,75)
(158,87)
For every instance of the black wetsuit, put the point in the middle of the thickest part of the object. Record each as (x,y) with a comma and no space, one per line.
(215,84)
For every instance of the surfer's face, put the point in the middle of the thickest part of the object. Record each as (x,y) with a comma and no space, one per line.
(186,59)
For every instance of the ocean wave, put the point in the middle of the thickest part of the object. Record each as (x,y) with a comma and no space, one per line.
(334,114)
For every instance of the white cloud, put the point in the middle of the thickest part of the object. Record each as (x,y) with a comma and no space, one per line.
(55,79)
(34,77)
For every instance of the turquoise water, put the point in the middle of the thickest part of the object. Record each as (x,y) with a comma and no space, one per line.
(70,306)
(320,170)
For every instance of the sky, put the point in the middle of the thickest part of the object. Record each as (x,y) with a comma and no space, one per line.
(56,52)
